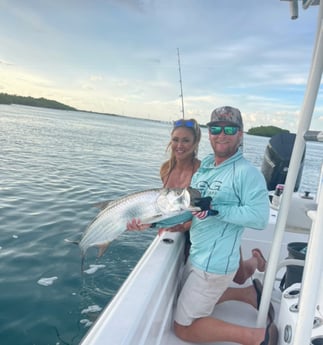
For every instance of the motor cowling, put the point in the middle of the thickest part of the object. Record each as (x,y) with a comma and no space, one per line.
(277,158)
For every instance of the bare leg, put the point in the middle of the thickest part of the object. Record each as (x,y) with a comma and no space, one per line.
(248,267)
(250,294)
(247,295)
(208,329)
(261,265)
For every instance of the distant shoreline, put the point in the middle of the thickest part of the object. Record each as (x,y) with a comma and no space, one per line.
(50,104)
(265,131)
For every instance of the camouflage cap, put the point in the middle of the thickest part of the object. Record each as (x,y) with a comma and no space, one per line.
(226,114)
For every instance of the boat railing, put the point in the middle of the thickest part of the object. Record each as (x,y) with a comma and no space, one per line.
(313,265)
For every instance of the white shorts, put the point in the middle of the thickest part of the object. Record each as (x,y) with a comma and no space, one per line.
(200,293)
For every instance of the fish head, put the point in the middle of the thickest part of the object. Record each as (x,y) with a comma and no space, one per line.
(194,195)
(176,199)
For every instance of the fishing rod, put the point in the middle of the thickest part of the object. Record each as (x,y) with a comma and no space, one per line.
(180,81)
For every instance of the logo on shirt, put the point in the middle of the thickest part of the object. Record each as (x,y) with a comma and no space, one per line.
(205,186)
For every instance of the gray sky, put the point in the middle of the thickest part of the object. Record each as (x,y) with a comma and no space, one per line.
(120,56)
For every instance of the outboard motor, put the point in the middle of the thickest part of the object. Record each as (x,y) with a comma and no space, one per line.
(276,160)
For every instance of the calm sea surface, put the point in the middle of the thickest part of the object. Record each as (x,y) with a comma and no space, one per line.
(54,167)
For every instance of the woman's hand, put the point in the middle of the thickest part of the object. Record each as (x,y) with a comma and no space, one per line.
(135,224)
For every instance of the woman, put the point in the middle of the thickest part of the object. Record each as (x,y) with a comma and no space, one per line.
(177,172)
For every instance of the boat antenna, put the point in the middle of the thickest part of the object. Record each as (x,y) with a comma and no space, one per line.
(180,82)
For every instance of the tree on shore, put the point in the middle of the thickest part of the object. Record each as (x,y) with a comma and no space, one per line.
(34,102)
(266,131)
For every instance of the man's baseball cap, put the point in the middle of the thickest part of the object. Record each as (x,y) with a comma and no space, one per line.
(226,114)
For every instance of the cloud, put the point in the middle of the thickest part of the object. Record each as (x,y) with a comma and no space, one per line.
(121,56)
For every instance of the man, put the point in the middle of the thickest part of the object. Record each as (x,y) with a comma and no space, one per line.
(239,199)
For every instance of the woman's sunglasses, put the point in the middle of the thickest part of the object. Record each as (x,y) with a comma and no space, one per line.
(228,130)
(185,123)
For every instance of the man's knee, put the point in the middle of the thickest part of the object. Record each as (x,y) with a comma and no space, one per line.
(180,331)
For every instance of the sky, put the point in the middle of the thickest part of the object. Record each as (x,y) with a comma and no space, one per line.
(121,57)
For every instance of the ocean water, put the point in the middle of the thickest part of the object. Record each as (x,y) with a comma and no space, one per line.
(55,166)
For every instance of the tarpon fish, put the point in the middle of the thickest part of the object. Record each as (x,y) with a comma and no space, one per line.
(154,206)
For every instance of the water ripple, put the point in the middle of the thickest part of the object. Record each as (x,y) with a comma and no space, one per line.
(55,167)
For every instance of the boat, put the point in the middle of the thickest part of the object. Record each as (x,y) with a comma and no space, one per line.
(141,313)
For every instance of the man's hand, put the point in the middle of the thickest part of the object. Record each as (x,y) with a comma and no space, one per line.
(205,213)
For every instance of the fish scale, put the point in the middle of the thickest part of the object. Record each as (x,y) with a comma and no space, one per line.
(114,219)
(153,204)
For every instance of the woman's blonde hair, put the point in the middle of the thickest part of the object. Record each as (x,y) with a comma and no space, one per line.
(192,125)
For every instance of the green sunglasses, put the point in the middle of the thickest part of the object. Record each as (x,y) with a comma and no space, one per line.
(228,130)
